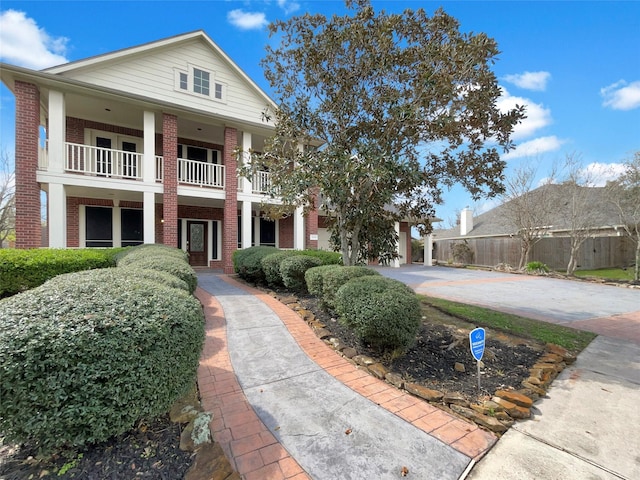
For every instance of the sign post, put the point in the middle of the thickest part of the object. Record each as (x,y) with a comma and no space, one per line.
(476,343)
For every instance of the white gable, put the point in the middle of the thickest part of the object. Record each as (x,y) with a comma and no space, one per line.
(153,71)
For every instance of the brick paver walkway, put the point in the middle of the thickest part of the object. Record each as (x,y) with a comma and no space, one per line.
(249,445)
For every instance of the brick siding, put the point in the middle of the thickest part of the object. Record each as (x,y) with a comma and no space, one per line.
(230,224)
(170,198)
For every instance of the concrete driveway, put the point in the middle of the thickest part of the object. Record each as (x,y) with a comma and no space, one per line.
(587,426)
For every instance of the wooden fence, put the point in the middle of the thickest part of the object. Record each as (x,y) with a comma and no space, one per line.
(598,252)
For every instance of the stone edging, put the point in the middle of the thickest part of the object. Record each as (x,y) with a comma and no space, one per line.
(495,415)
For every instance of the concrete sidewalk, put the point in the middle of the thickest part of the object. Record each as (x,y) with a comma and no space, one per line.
(587,426)
(287,406)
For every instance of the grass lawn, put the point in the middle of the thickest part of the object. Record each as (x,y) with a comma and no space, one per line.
(607,273)
(571,339)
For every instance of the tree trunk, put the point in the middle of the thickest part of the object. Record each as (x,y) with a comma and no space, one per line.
(637,269)
(524,254)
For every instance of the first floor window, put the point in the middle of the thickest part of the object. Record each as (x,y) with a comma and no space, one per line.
(99,227)
(132,227)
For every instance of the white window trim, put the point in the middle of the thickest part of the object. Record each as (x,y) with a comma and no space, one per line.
(190,77)
(209,153)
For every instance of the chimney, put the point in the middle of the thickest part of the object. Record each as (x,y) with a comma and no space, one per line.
(466,221)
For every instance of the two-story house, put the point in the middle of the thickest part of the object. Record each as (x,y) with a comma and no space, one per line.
(139,146)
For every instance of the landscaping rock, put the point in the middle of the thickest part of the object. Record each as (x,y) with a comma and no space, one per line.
(363,360)
(306,315)
(349,352)
(455,399)
(186,408)
(512,409)
(211,464)
(394,379)
(459,367)
(514,397)
(490,423)
(323,333)
(378,370)
(289,300)
(336,343)
(423,392)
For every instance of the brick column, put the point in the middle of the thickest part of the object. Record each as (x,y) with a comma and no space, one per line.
(170,182)
(311,222)
(230,229)
(28,222)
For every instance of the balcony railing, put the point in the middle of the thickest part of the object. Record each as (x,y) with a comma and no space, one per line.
(202,174)
(261,182)
(103,161)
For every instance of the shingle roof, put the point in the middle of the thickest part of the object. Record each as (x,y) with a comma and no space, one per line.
(497,222)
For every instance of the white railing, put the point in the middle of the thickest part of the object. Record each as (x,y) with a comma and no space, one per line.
(261,182)
(103,161)
(43,158)
(193,172)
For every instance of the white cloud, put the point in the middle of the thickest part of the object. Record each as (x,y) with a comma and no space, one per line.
(537,116)
(25,44)
(288,6)
(535,147)
(621,96)
(601,173)
(247,20)
(529,80)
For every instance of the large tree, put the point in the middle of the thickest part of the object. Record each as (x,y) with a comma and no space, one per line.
(624,194)
(379,112)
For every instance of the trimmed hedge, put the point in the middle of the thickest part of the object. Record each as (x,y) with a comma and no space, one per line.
(314,278)
(24,269)
(333,279)
(271,266)
(164,278)
(169,264)
(141,252)
(247,262)
(383,312)
(327,257)
(293,269)
(86,355)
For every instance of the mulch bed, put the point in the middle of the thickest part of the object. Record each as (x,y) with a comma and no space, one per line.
(149,451)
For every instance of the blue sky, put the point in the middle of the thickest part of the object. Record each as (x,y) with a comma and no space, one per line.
(574,64)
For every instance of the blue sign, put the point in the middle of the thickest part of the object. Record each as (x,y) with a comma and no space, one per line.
(476,342)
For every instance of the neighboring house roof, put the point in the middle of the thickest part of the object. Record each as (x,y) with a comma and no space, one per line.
(496,222)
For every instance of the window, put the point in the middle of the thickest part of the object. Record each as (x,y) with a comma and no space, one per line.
(200,81)
(131,226)
(218,91)
(184,81)
(99,227)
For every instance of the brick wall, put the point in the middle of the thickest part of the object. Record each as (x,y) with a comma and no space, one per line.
(311,223)
(230,224)
(27,193)
(170,184)
(285,233)
(73,215)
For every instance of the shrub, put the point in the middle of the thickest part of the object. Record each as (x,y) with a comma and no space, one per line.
(169,264)
(293,269)
(537,268)
(271,266)
(382,311)
(24,269)
(314,278)
(86,355)
(140,252)
(327,257)
(247,263)
(462,252)
(164,278)
(335,278)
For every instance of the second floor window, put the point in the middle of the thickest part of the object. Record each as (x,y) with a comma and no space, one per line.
(201,81)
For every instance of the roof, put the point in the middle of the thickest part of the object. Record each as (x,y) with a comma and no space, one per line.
(496,222)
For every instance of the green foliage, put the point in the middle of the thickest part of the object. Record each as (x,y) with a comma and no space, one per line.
(248,263)
(271,266)
(170,264)
(333,279)
(382,311)
(409,66)
(140,252)
(87,354)
(293,269)
(24,269)
(164,278)
(537,268)
(325,256)
(314,278)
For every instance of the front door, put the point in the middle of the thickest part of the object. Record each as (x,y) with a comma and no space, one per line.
(197,243)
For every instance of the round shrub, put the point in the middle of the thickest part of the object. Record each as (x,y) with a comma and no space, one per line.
(314,278)
(247,262)
(87,355)
(141,252)
(164,278)
(327,257)
(335,278)
(169,264)
(292,270)
(382,311)
(271,266)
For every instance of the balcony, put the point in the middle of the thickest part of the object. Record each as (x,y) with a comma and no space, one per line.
(120,164)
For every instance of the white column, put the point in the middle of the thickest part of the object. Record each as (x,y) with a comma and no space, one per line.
(149,217)
(149,156)
(396,261)
(246,224)
(116,222)
(57,203)
(56,134)
(428,250)
(244,158)
(298,229)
